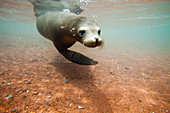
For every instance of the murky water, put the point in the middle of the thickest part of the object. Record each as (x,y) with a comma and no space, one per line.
(136,35)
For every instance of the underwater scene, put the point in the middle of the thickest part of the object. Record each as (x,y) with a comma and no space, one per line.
(133,70)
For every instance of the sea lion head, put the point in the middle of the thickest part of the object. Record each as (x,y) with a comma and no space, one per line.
(89,34)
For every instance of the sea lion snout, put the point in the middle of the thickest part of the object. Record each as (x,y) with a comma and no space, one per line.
(96,41)
(93,41)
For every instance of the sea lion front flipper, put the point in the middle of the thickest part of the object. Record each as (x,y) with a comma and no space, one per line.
(77,57)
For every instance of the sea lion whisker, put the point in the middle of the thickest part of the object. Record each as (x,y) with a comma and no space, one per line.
(101,47)
(84,49)
(75,56)
(72,53)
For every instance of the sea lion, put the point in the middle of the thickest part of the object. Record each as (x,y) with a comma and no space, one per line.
(65,28)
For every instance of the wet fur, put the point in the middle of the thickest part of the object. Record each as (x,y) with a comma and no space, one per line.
(61,29)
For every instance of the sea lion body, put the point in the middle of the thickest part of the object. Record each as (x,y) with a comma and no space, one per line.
(65,28)
(54,26)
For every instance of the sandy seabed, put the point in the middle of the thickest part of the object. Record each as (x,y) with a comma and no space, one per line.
(34,77)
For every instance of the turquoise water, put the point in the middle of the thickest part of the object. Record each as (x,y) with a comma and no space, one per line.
(142,26)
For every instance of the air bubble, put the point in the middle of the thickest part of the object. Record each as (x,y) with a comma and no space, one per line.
(62,27)
(94,16)
(66,10)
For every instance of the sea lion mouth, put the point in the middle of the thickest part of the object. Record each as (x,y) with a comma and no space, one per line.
(92,45)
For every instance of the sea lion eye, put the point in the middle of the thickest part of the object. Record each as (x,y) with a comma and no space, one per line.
(99,31)
(82,32)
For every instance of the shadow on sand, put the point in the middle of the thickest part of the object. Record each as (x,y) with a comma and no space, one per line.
(82,77)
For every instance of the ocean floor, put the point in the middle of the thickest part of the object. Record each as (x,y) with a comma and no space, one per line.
(34,77)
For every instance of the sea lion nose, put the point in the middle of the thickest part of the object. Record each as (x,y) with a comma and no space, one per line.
(97,40)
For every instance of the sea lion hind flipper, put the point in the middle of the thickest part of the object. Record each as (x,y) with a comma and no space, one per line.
(43,6)
(78,58)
